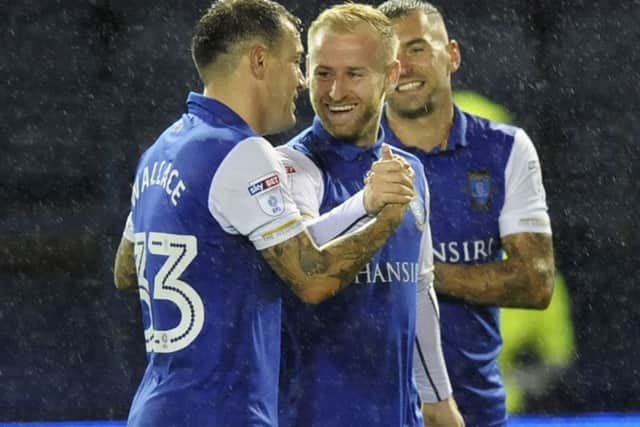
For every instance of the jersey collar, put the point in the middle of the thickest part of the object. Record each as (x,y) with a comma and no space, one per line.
(457,135)
(325,142)
(216,113)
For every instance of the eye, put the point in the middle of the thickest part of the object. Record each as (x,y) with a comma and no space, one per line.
(354,74)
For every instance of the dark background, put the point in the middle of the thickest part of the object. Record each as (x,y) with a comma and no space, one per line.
(87,85)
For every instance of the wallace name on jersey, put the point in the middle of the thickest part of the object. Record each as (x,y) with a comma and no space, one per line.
(388,272)
(161,174)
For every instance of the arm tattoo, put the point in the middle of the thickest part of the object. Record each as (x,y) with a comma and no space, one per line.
(124,270)
(328,269)
(523,280)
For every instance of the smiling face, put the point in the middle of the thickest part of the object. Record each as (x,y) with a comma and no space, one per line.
(285,80)
(347,82)
(427,59)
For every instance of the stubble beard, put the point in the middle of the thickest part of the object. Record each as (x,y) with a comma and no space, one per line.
(355,131)
(411,113)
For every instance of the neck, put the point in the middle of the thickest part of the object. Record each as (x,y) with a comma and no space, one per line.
(236,98)
(426,132)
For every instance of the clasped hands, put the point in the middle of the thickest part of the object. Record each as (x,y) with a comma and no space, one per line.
(389,184)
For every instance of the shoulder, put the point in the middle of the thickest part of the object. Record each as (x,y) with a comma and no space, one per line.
(249,149)
(204,139)
(479,128)
(513,141)
(193,128)
(244,157)
(298,163)
(302,142)
(506,141)
(293,155)
(299,159)
(302,145)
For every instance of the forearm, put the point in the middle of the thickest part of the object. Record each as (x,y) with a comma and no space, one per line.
(124,269)
(505,283)
(523,280)
(317,273)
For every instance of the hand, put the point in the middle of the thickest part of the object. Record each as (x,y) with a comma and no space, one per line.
(442,414)
(389,181)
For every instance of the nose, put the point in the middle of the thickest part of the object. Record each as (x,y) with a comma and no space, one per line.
(337,88)
(405,65)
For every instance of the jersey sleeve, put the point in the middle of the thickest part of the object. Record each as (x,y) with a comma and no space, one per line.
(304,179)
(349,215)
(249,195)
(128,232)
(430,369)
(525,206)
(307,186)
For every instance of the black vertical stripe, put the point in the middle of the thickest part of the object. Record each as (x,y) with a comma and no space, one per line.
(435,309)
(349,227)
(424,366)
(423,361)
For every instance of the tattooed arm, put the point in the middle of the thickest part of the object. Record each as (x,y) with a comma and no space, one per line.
(523,280)
(124,269)
(317,273)
(314,273)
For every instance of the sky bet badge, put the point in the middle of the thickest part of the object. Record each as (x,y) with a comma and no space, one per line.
(479,190)
(268,193)
(419,212)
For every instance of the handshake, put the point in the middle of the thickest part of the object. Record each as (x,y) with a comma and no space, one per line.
(389,187)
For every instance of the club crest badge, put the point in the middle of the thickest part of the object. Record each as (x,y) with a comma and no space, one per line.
(479,190)
(268,193)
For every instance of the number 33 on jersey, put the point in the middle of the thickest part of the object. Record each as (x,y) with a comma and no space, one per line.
(178,252)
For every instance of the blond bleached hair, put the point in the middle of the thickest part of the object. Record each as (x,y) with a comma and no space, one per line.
(345,18)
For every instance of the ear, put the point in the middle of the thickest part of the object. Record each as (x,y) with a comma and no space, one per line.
(392,76)
(454,55)
(258,60)
(307,69)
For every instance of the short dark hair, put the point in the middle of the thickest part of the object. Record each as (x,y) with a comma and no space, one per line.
(227,23)
(398,8)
